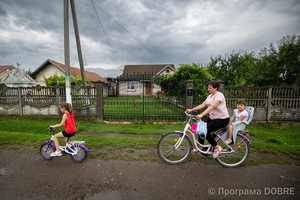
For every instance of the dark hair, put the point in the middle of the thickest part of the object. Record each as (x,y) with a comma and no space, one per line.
(241,101)
(67,106)
(214,84)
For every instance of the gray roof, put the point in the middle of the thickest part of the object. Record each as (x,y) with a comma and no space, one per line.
(143,72)
(17,76)
(145,69)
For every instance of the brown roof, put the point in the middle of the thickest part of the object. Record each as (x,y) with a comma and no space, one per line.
(145,69)
(75,72)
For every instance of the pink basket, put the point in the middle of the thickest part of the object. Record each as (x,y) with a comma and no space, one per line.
(194,128)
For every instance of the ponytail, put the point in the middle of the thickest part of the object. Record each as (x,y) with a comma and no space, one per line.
(67,106)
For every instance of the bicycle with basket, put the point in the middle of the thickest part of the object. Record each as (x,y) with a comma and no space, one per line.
(176,147)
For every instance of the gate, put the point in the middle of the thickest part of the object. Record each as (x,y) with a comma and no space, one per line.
(140,99)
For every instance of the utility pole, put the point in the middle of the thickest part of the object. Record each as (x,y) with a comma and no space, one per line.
(67,51)
(78,41)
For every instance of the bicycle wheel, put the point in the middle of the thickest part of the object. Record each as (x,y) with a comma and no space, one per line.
(46,149)
(81,154)
(168,152)
(236,158)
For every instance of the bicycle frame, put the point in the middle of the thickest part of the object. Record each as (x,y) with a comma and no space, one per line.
(68,147)
(208,147)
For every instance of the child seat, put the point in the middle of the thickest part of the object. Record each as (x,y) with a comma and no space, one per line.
(239,126)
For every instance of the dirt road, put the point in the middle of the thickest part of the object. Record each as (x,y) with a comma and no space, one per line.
(27,176)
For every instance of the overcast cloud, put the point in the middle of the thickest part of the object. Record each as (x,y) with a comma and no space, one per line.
(141,31)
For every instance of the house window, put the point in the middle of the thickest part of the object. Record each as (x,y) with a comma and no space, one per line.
(167,71)
(130,85)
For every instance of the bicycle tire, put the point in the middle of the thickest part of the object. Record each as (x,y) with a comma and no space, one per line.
(46,149)
(167,152)
(238,157)
(81,153)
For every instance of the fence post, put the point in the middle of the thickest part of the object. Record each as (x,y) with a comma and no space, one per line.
(269,104)
(20,100)
(57,92)
(189,95)
(100,102)
(221,87)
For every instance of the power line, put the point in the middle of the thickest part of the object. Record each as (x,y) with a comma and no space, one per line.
(124,30)
(101,24)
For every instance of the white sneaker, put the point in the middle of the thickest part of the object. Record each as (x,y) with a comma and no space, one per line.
(55,154)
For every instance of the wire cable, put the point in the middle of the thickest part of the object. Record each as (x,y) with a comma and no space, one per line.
(125,30)
(93,4)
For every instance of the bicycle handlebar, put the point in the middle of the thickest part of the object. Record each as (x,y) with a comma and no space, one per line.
(189,115)
(52,129)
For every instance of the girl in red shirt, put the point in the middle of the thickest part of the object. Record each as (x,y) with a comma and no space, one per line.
(68,122)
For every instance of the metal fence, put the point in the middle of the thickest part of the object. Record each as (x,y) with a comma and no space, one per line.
(140,99)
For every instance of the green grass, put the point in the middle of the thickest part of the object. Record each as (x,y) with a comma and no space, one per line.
(153,109)
(270,143)
(40,126)
(275,138)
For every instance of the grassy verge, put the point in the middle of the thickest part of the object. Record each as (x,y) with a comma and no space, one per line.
(270,143)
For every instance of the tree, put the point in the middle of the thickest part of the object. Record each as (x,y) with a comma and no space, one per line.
(289,59)
(281,65)
(174,84)
(267,71)
(235,69)
(271,66)
(56,80)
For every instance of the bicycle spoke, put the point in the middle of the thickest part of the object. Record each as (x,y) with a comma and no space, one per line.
(235,156)
(173,149)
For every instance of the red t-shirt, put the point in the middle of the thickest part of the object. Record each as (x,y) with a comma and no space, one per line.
(70,124)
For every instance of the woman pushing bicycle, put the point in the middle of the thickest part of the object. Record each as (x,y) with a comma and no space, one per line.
(215,105)
(68,122)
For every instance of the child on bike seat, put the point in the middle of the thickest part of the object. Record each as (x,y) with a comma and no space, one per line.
(68,122)
(239,114)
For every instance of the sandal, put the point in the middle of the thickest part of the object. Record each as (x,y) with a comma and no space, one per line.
(228,141)
(202,149)
(217,151)
(195,150)
(55,154)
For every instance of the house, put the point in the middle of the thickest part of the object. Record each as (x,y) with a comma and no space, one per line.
(51,67)
(16,77)
(4,69)
(138,79)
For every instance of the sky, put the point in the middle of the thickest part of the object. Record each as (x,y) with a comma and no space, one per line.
(114,33)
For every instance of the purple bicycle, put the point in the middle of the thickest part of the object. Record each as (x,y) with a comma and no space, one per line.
(176,147)
(75,149)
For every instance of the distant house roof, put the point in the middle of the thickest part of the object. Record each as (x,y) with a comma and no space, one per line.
(74,72)
(145,69)
(3,68)
(18,77)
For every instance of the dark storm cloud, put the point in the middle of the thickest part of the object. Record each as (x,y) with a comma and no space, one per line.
(114,33)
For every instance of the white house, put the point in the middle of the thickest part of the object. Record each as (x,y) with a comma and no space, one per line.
(51,67)
(138,79)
